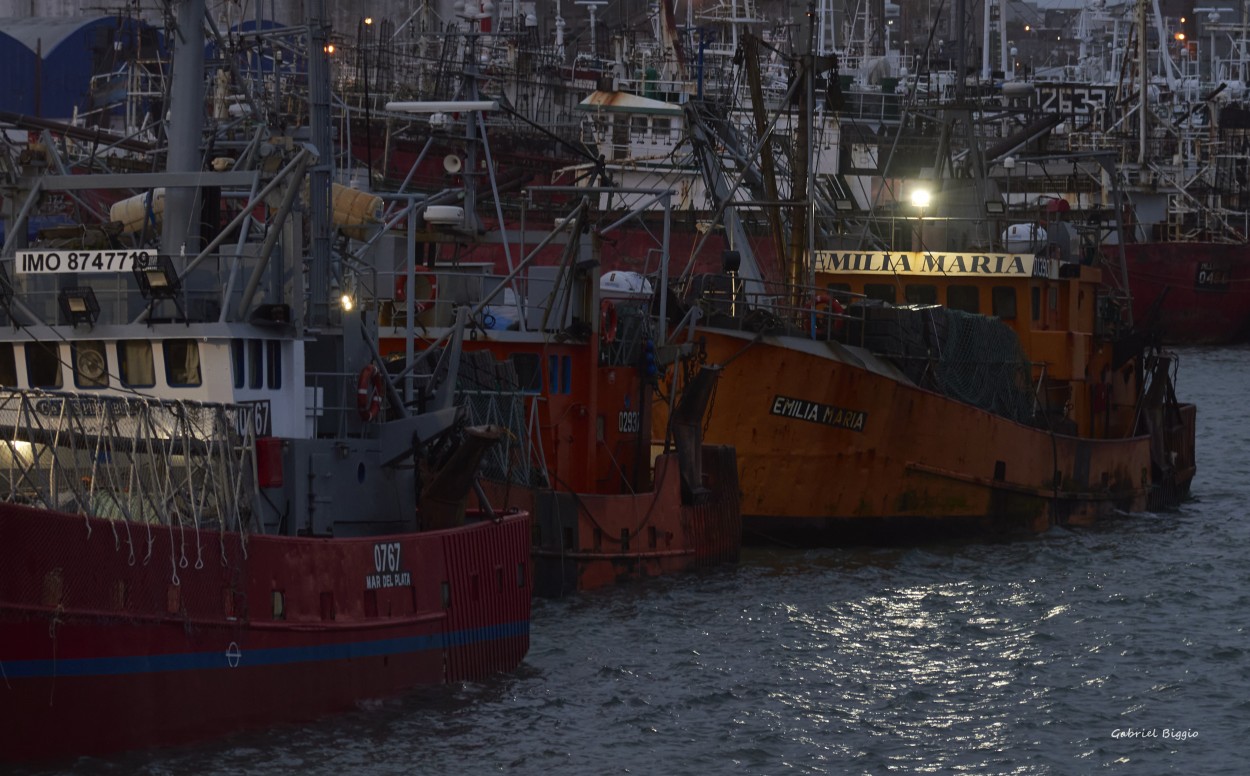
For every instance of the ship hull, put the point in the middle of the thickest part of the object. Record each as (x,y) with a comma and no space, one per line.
(833,444)
(586,541)
(109,647)
(605,509)
(1195,293)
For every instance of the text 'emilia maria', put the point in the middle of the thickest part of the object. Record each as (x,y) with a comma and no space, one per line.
(999,264)
(815,412)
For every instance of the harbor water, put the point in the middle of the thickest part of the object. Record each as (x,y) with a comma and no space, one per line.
(1115,649)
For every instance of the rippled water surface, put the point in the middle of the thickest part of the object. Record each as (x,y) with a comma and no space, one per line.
(1118,649)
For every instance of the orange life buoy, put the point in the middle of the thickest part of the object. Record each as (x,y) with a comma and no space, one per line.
(369,389)
(833,308)
(425,290)
(607,322)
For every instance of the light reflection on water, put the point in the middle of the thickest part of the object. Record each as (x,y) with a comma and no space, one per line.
(1024,657)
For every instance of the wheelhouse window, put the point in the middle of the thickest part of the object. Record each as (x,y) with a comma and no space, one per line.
(43,365)
(963,298)
(834,288)
(921,293)
(255,364)
(528,367)
(238,362)
(8,366)
(182,362)
(134,363)
(90,364)
(559,374)
(662,127)
(1004,300)
(273,363)
(880,291)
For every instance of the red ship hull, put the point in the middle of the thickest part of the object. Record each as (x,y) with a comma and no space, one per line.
(105,650)
(587,541)
(610,513)
(1196,293)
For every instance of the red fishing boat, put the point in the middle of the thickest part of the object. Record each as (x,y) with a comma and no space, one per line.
(120,635)
(570,367)
(1191,292)
(207,522)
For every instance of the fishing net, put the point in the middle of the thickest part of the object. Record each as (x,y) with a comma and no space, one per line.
(981,363)
(973,358)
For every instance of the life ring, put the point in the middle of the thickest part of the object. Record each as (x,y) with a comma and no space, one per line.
(425,290)
(607,322)
(369,389)
(833,309)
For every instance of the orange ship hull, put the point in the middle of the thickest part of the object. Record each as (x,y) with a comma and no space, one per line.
(831,439)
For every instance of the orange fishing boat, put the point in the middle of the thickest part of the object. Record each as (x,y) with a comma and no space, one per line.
(1005,400)
(915,373)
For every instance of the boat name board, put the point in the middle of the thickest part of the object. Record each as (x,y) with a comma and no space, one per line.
(1213,276)
(388,563)
(60,262)
(815,412)
(1015,265)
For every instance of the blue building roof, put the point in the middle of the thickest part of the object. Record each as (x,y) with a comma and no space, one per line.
(50,61)
(19,65)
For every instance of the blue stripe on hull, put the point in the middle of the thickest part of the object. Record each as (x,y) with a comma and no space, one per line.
(194,661)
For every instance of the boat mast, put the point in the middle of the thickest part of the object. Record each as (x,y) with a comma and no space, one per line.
(800,231)
(186,121)
(986,28)
(322,271)
(751,49)
(1142,82)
